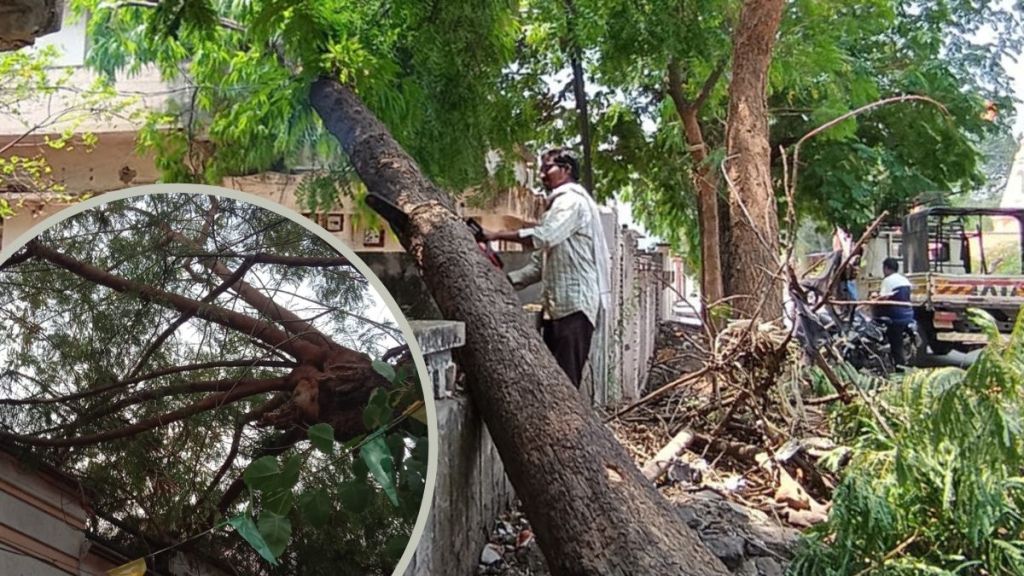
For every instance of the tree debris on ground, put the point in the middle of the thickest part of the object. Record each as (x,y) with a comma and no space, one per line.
(733,429)
(747,541)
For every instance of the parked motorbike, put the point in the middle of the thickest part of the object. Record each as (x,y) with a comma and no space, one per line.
(848,332)
(864,344)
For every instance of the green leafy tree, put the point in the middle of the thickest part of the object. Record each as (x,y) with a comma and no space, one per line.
(431,78)
(194,360)
(48,110)
(429,70)
(888,158)
(663,69)
(942,493)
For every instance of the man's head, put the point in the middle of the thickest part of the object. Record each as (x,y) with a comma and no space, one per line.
(558,166)
(890,266)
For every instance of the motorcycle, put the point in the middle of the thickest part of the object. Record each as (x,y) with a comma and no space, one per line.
(847,331)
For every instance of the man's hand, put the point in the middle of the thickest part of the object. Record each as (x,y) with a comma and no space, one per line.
(508,236)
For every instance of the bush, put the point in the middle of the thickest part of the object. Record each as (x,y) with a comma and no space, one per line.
(943,494)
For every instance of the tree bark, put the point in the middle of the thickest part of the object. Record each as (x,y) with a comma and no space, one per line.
(712,288)
(592,510)
(753,221)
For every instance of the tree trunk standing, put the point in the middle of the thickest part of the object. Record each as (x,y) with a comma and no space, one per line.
(579,88)
(754,243)
(583,117)
(711,287)
(592,511)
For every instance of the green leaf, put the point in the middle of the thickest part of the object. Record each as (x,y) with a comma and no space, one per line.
(384,369)
(322,437)
(395,546)
(396,443)
(315,507)
(378,459)
(377,412)
(355,496)
(247,529)
(261,473)
(276,531)
(266,475)
(278,501)
(359,469)
(289,473)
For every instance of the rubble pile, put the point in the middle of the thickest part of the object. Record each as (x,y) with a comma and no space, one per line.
(512,549)
(729,433)
(747,541)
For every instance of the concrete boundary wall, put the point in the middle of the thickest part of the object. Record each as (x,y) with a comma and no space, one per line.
(471,489)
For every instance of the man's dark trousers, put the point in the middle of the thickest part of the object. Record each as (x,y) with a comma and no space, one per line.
(894,333)
(568,339)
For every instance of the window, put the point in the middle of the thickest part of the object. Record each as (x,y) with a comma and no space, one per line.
(373,237)
(335,222)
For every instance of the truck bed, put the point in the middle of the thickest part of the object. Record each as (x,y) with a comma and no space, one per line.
(941,290)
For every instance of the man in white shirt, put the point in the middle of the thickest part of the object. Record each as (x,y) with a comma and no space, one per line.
(895,288)
(570,258)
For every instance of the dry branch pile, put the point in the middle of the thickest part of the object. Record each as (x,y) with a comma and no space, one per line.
(731,419)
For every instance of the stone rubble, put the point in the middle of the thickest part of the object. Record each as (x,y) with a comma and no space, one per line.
(747,541)
(512,550)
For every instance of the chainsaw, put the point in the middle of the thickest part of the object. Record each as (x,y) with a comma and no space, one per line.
(483,244)
(399,220)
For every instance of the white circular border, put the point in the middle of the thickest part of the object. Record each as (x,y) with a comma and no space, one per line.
(345,250)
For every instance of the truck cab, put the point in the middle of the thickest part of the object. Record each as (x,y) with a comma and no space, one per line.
(955,258)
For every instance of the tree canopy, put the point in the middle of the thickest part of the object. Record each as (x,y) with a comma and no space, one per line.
(831,57)
(430,70)
(191,359)
(456,80)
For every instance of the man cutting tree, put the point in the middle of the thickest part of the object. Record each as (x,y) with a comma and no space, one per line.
(571,259)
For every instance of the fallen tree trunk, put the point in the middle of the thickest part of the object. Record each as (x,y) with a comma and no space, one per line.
(591,509)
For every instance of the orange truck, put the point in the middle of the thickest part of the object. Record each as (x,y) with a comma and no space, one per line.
(955,259)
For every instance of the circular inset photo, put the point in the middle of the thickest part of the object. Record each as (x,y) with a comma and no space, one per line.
(201,384)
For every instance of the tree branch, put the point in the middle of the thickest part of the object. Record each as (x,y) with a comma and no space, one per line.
(252,327)
(225,385)
(16,259)
(263,304)
(247,363)
(710,82)
(188,315)
(851,114)
(675,87)
(280,446)
(236,438)
(262,258)
(209,403)
(226,23)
